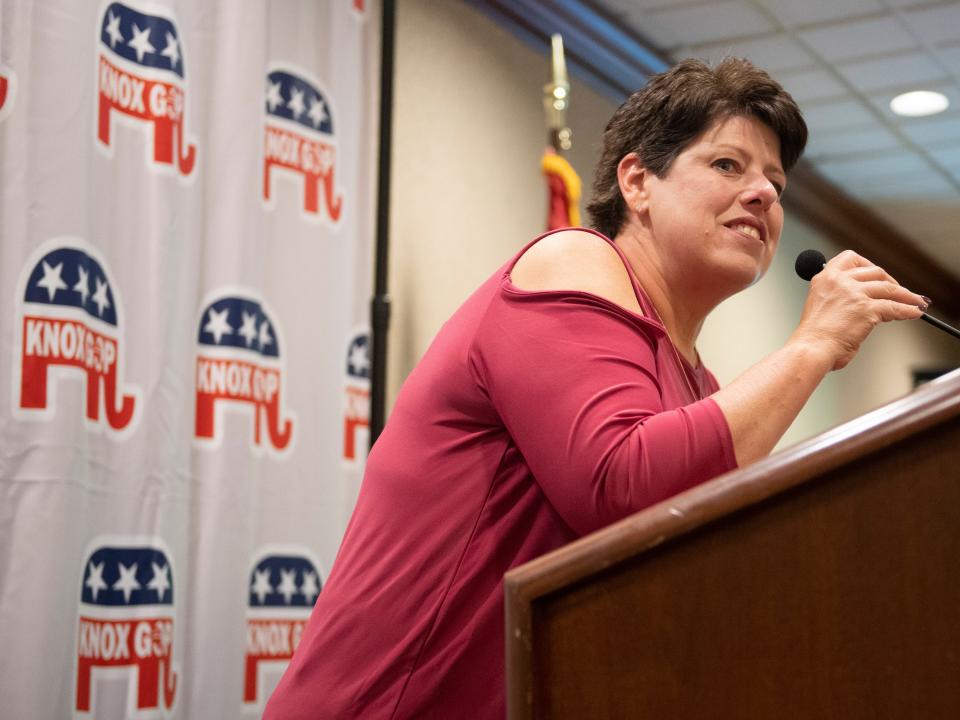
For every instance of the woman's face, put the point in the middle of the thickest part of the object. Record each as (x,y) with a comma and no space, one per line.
(716,216)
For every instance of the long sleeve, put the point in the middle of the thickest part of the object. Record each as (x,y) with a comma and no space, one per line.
(576,382)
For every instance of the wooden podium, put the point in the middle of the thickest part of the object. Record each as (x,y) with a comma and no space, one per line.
(822,582)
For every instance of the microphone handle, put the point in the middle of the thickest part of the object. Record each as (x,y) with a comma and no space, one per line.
(940,324)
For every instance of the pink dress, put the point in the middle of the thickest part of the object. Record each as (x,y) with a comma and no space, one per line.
(533,419)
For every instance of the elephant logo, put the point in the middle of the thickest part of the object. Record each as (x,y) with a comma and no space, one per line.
(126,624)
(239,365)
(140,77)
(299,140)
(284,584)
(70,324)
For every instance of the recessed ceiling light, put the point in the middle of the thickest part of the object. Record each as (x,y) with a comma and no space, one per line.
(919,103)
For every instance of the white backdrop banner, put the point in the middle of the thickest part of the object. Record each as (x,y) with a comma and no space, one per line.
(186,224)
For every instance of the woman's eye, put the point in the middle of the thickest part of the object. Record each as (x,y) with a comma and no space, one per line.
(725,165)
(778,187)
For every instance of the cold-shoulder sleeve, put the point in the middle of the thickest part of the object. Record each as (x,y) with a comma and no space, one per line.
(574,380)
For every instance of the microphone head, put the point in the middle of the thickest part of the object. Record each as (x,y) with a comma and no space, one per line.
(809,263)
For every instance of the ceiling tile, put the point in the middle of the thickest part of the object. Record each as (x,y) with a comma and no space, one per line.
(863,38)
(936,24)
(912,69)
(928,186)
(822,117)
(777,52)
(934,131)
(845,142)
(697,24)
(811,85)
(949,56)
(949,157)
(870,170)
(793,13)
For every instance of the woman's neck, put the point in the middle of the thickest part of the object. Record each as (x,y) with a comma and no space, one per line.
(674,304)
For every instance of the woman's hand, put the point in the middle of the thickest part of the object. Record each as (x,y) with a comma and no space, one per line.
(847,300)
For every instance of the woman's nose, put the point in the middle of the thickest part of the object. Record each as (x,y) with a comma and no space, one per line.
(760,192)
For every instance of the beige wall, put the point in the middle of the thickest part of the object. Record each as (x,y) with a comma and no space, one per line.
(467,193)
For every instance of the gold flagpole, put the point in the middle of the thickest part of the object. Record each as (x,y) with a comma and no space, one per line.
(563,183)
(556,100)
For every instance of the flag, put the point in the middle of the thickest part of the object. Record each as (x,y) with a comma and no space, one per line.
(563,188)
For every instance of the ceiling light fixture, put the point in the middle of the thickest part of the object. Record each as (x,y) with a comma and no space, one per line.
(919,103)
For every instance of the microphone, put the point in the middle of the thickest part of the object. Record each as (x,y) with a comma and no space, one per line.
(810,262)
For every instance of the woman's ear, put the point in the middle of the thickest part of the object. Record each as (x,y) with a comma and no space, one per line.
(633,177)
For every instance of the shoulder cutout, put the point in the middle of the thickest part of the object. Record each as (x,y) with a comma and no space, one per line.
(576,260)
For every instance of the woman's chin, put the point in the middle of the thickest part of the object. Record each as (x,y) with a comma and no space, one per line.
(738,274)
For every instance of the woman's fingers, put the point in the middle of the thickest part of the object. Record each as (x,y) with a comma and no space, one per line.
(892,310)
(848,260)
(870,272)
(876,282)
(886,290)
(858,267)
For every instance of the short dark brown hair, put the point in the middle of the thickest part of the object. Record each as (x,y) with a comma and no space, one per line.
(673,109)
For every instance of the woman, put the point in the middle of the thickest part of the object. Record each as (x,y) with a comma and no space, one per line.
(567,393)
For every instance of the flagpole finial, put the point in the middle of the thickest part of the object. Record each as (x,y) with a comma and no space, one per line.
(556,98)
